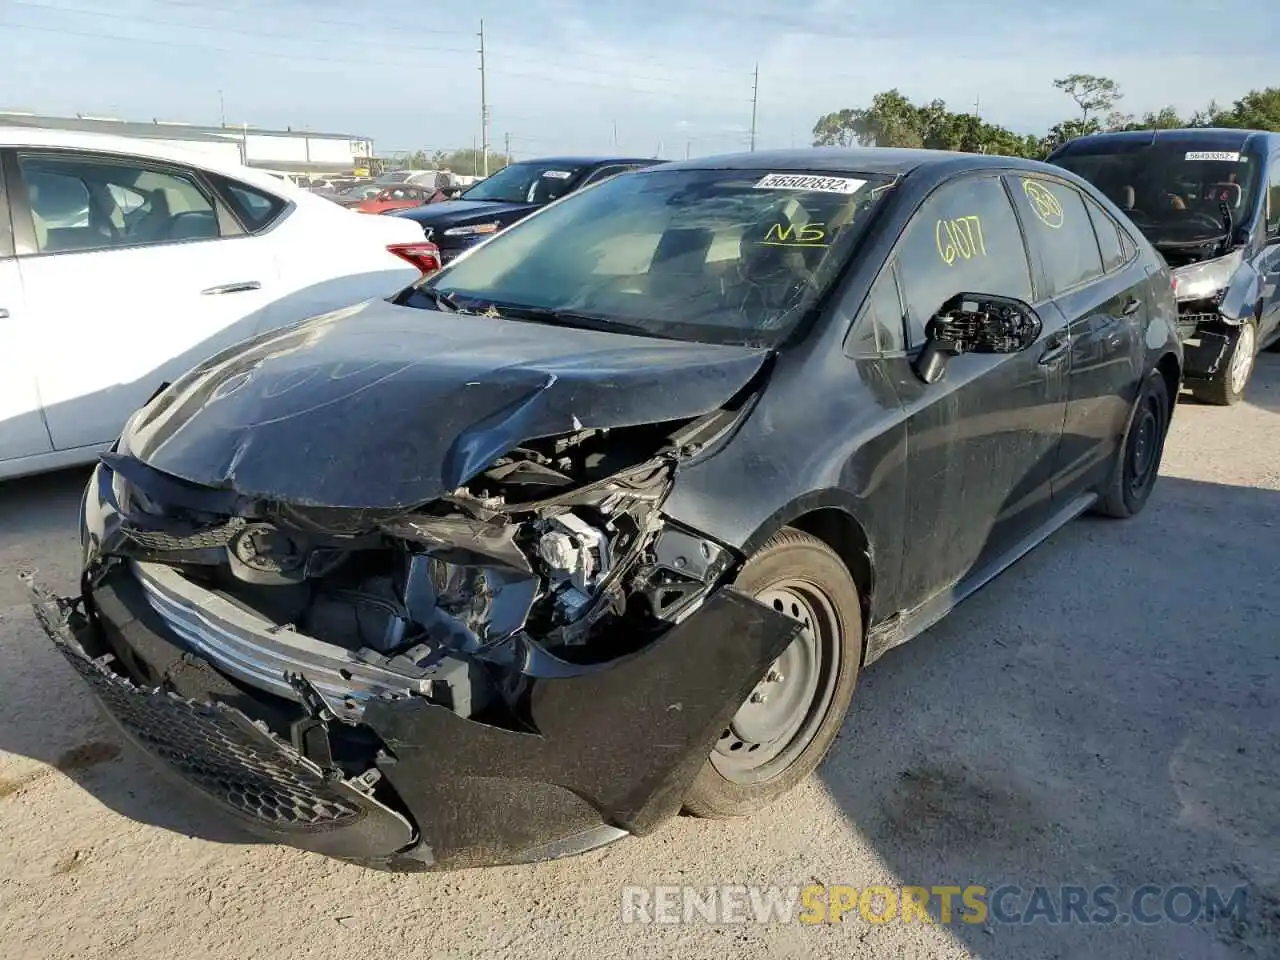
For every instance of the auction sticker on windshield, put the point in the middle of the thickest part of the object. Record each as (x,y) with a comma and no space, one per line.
(1212,155)
(556,174)
(805,181)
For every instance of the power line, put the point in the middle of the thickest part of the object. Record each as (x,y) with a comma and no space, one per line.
(433,48)
(106,14)
(190,4)
(362,61)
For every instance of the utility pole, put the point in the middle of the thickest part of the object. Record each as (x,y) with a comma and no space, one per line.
(484,106)
(506,147)
(687,145)
(615,134)
(222,110)
(755,96)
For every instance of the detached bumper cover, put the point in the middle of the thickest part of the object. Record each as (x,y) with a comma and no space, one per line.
(608,752)
(249,775)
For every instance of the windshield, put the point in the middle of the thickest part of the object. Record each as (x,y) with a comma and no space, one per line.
(525,183)
(1172,192)
(364,190)
(721,256)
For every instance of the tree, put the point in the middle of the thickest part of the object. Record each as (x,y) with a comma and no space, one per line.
(1166,118)
(1091,93)
(1256,110)
(835,130)
(892,120)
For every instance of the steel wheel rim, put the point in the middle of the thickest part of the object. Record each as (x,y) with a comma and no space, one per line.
(1144,445)
(1242,359)
(777,721)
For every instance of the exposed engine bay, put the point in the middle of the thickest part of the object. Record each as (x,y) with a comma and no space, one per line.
(553,559)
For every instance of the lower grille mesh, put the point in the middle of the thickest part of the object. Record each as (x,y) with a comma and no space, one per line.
(211,749)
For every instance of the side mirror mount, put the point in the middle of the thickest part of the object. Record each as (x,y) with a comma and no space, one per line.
(976,323)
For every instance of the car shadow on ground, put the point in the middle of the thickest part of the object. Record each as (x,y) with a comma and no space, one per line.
(1115,737)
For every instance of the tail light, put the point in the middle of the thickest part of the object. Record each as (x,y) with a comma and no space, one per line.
(424,256)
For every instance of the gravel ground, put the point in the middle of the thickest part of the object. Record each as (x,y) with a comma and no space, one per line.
(1105,713)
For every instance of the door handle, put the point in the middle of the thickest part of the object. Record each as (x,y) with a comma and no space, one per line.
(1131,307)
(241,287)
(1055,350)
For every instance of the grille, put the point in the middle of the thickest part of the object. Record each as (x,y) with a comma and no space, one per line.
(222,753)
(212,538)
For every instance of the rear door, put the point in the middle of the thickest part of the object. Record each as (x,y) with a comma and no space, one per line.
(1094,277)
(133,271)
(22,430)
(981,441)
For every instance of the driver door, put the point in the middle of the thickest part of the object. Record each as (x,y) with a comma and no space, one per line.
(981,441)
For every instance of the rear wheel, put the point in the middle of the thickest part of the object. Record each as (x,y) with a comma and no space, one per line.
(1137,463)
(788,722)
(1227,385)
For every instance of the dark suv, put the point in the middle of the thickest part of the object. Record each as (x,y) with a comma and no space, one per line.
(509,195)
(1209,201)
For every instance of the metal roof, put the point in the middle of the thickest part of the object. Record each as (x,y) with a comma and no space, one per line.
(161,128)
(889,161)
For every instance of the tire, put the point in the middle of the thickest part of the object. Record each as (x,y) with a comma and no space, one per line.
(799,574)
(1228,384)
(1137,463)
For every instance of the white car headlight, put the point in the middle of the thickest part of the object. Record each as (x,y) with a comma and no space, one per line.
(1200,281)
(472,230)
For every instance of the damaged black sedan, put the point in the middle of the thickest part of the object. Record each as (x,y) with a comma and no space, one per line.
(603,520)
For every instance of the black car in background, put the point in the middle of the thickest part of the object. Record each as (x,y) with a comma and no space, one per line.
(605,518)
(1209,200)
(509,195)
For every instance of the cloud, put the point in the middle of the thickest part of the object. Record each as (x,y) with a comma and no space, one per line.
(562,73)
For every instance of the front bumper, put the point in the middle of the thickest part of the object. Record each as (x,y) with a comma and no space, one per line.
(414,786)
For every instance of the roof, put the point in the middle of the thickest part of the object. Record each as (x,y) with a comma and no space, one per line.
(35,137)
(192,131)
(887,161)
(1224,137)
(588,161)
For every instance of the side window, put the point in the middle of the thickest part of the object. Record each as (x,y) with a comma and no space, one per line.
(1273,198)
(255,209)
(1059,228)
(1108,235)
(85,203)
(879,326)
(964,239)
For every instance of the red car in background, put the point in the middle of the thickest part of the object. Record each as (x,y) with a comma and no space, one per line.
(396,196)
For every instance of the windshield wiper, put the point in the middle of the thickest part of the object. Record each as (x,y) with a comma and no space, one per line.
(567,318)
(445,301)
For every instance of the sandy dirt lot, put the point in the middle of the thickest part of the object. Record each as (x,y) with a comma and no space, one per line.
(1108,712)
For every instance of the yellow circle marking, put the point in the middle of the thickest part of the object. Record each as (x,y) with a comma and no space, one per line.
(1043,204)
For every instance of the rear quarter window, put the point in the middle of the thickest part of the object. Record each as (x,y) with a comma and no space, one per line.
(255,209)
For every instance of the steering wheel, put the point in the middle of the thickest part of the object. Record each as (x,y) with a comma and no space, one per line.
(1207,219)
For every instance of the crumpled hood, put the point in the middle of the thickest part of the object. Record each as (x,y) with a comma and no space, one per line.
(453,213)
(379,406)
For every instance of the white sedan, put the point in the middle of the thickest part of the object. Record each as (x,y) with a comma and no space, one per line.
(124,262)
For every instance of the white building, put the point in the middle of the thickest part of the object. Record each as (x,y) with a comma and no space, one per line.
(287,151)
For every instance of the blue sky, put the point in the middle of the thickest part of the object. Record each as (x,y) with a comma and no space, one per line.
(563,73)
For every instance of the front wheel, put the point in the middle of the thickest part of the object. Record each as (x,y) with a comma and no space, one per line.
(788,722)
(1137,462)
(1226,388)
